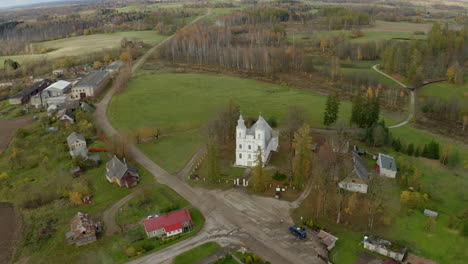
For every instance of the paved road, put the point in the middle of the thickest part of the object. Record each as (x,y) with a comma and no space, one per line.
(412,98)
(230,215)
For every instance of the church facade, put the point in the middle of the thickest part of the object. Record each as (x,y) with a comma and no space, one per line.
(249,140)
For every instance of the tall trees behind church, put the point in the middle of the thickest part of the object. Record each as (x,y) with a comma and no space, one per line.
(223,128)
(257,181)
(302,156)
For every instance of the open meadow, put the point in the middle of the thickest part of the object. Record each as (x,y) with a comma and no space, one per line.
(76,46)
(443,90)
(180,104)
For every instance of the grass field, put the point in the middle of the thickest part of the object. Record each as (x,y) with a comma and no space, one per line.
(177,103)
(76,46)
(443,90)
(368,35)
(196,254)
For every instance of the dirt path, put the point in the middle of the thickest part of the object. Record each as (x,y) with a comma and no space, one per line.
(8,128)
(412,98)
(8,230)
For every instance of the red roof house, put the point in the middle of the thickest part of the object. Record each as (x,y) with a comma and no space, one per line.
(170,224)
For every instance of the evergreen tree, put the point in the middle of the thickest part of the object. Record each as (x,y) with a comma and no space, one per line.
(258,174)
(356,111)
(417,152)
(331,110)
(303,154)
(214,171)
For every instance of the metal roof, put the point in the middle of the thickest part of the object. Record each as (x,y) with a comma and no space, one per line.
(387,162)
(73,137)
(92,79)
(60,85)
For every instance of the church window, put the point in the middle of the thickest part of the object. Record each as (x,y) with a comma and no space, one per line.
(240,155)
(250,147)
(259,136)
(240,146)
(250,156)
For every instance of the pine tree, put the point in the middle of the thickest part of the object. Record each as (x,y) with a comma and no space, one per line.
(258,174)
(303,153)
(214,172)
(410,149)
(331,110)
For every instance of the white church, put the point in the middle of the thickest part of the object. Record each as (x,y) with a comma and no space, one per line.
(248,140)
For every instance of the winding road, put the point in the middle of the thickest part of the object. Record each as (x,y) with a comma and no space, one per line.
(232,217)
(412,97)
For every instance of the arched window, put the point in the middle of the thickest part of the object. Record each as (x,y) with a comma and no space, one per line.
(240,155)
(240,146)
(259,137)
(250,147)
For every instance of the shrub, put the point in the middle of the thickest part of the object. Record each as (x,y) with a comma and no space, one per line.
(130,252)
(278,176)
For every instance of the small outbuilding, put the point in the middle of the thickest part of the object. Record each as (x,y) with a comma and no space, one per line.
(386,166)
(77,145)
(430,213)
(168,225)
(328,239)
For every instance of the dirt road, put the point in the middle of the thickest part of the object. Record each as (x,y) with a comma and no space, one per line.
(8,228)
(412,98)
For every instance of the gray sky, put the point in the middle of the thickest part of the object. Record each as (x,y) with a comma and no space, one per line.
(12,3)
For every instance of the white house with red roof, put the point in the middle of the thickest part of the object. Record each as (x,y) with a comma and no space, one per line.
(170,224)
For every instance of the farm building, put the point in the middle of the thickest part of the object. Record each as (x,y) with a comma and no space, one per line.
(430,213)
(168,225)
(386,166)
(384,247)
(59,88)
(77,145)
(248,140)
(24,96)
(118,171)
(83,230)
(115,66)
(357,180)
(90,85)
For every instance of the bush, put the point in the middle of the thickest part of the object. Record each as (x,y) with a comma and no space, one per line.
(278,176)
(130,252)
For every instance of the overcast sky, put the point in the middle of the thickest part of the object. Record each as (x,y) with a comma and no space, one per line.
(11,3)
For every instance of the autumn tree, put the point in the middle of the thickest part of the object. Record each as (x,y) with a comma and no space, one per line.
(331,110)
(302,156)
(97,64)
(121,81)
(107,59)
(126,57)
(258,173)
(324,43)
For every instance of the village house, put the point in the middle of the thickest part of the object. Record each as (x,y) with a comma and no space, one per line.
(83,230)
(90,85)
(118,171)
(384,247)
(77,145)
(386,166)
(66,116)
(357,180)
(249,140)
(168,225)
(25,95)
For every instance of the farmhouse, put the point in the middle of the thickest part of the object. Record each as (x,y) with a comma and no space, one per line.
(120,172)
(384,247)
(386,166)
(25,95)
(59,88)
(168,225)
(83,230)
(357,180)
(90,85)
(249,140)
(77,145)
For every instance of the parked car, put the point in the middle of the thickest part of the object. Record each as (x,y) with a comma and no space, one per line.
(298,232)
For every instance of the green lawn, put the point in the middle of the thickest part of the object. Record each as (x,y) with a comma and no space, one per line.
(177,103)
(80,45)
(196,254)
(157,199)
(443,90)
